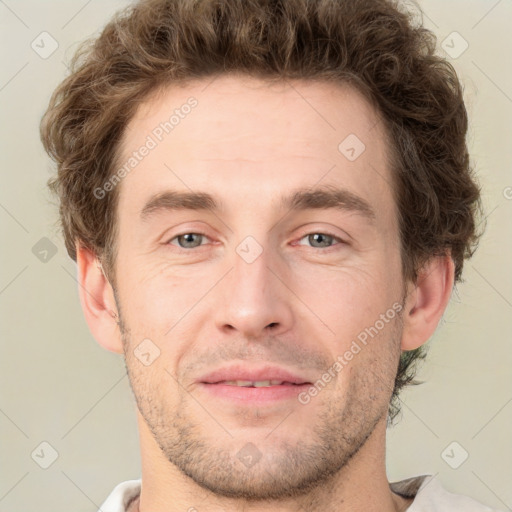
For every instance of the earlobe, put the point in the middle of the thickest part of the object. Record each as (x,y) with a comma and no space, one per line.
(427,301)
(98,301)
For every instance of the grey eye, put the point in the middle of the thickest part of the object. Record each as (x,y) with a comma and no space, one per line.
(186,241)
(322,239)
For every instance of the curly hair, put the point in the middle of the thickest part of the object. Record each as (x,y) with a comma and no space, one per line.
(374,45)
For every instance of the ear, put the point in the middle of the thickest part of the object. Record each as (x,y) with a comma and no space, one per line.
(427,300)
(98,301)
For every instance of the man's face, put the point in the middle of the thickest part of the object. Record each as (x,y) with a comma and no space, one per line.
(259,289)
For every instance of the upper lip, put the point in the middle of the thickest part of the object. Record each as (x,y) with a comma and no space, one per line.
(241,372)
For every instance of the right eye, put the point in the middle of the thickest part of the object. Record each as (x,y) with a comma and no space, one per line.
(188,240)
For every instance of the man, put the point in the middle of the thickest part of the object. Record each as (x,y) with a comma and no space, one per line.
(269,204)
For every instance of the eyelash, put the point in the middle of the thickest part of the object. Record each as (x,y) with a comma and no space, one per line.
(323,249)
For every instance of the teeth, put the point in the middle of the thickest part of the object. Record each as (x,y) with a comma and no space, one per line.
(253,383)
(262,384)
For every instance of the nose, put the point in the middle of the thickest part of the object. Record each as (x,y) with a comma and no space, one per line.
(254,299)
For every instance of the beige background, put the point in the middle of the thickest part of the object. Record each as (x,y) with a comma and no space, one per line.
(58,386)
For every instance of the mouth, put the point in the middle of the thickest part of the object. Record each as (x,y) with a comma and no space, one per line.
(256,384)
(253,386)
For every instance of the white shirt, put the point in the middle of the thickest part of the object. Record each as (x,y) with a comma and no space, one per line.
(428,494)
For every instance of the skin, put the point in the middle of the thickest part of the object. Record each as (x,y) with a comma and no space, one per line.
(298,305)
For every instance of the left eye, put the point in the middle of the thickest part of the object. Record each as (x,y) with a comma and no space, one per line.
(323,239)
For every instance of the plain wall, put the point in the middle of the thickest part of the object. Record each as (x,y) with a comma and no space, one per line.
(58,386)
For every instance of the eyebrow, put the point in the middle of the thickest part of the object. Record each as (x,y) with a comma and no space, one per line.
(319,198)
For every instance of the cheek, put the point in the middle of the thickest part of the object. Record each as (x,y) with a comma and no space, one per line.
(346,300)
(156,298)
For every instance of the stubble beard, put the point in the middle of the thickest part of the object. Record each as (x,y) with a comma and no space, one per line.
(288,468)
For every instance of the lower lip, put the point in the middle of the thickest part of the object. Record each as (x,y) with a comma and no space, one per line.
(255,395)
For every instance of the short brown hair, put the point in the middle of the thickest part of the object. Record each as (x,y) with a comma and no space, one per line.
(373,45)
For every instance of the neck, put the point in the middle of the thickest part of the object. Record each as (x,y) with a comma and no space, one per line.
(361,485)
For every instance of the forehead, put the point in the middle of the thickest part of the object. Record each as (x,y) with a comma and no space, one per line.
(236,132)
